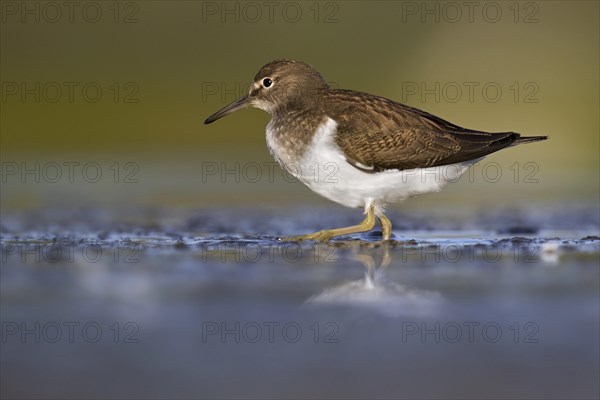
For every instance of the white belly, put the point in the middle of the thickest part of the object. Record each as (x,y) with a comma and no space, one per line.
(325,170)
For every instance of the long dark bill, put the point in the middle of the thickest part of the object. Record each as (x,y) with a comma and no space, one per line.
(236,105)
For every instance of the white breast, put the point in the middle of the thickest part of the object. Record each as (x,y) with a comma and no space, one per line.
(325,170)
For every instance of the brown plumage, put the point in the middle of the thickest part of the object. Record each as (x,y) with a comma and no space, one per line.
(373,132)
(382,134)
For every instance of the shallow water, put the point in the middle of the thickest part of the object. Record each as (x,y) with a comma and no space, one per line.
(214,305)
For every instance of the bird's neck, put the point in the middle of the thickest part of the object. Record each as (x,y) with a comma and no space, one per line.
(291,130)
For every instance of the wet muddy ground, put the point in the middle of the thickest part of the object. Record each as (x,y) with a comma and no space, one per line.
(209,303)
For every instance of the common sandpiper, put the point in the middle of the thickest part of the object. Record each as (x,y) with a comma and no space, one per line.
(358,149)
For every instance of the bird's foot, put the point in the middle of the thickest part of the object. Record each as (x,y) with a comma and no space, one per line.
(386,227)
(321,236)
(326,234)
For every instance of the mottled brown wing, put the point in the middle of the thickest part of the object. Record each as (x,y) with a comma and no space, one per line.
(377,134)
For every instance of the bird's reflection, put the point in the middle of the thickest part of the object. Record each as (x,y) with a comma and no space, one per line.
(377,293)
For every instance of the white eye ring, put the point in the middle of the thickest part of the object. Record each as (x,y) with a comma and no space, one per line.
(267,82)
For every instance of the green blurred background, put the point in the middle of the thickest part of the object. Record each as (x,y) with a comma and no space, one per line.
(164,66)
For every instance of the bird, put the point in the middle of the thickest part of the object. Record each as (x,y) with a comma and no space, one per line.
(358,149)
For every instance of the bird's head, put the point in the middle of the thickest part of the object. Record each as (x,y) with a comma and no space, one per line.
(279,85)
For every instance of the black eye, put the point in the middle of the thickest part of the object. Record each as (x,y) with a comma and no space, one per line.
(267,82)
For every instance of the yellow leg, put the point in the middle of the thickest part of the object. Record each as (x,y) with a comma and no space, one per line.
(386,227)
(325,235)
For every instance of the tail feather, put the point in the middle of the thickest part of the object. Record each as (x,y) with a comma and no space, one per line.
(529,139)
(476,144)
